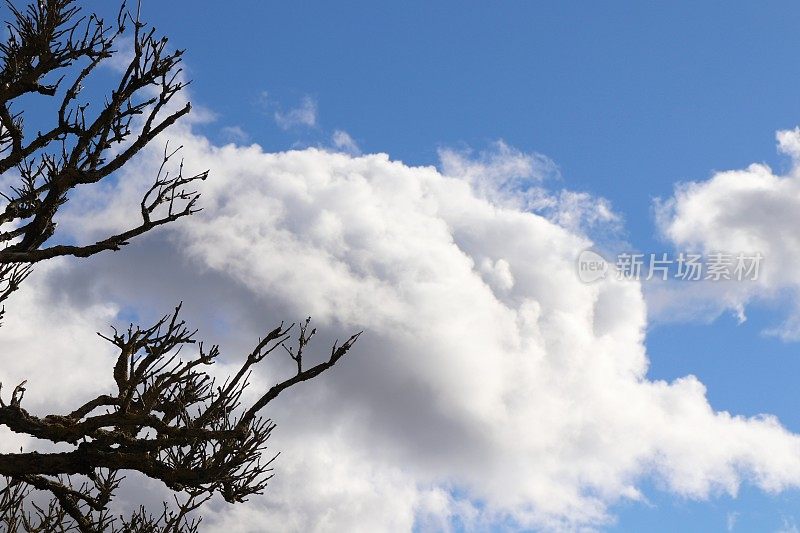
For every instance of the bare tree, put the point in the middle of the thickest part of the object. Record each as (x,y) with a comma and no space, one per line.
(166,417)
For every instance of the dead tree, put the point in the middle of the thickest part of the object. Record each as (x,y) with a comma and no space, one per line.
(166,418)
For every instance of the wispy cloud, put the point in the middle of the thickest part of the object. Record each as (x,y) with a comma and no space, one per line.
(304,115)
(508,175)
(788,526)
(235,134)
(344,142)
(730,520)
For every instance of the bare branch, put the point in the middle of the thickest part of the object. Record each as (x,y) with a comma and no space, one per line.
(167,418)
(52,51)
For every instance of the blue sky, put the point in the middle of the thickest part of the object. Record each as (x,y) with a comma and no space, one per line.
(628,98)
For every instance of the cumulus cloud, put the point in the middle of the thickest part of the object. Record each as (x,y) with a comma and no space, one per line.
(491,385)
(752,210)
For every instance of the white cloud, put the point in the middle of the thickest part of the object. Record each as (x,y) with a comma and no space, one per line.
(501,168)
(490,385)
(303,115)
(730,520)
(788,526)
(745,211)
(345,143)
(582,212)
(507,176)
(235,134)
(41,325)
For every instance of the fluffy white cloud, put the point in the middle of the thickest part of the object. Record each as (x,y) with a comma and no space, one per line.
(42,325)
(491,385)
(754,210)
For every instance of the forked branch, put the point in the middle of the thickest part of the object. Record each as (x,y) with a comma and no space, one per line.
(167,419)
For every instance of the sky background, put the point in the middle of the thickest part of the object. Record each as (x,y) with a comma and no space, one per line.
(628,99)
